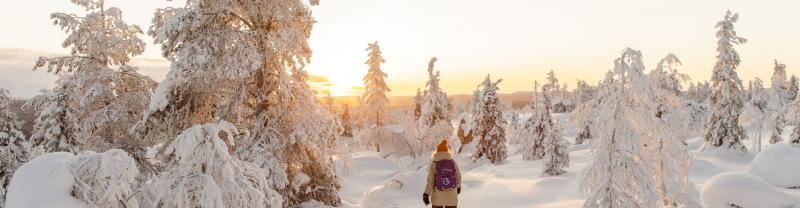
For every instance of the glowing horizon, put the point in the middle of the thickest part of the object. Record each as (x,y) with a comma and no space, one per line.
(516,40)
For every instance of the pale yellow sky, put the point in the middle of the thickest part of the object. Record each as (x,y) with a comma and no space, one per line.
(516,40)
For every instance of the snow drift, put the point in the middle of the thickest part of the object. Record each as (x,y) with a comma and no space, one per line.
(778,165)
(744,190)
(45,177)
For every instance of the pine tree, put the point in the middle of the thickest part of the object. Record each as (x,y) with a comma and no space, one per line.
(556,156)
(243,62)
(617,177)
(103,98)
(778,99)
(14,147)
(201,173)
(433,121)
(347,123)
(489,121)
(794,88)
(374,84)
(723,129)
(537,126)
(56,129)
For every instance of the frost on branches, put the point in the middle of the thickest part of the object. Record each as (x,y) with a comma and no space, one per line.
(14,147)
(104,100)
(375,86)
(105,179)
(56,130)
(489,124)
(723,129)
(537,127)
(201,172)
(617,177)
(433,121)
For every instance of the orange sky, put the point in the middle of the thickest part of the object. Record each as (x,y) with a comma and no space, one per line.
(516,40)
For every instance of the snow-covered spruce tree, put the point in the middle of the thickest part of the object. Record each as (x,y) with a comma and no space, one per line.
(14,147)
(105,179)
(537,126)
(417,104)
(56,129)
(755,116)
(243,62)
(666,74)
(617,177)
(375,86)
(723,129)
(794,87)
(489,122)
(584,99)
(200,172)
(347,123)
(98,40)
(794,138)
(556,156)
(777,102)
(434,123)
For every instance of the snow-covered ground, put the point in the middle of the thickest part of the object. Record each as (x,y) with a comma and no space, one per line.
(375,181)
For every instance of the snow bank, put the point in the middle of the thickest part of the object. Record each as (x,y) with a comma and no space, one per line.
(44,182)
(744,190)
(778,165)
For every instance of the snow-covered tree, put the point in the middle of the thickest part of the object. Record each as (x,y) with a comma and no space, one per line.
(417,104)
(777,102)
(434,123)
(617,177)
(794,87)
(200,172)
(242,62)
(537,127)
(585,103)
(105,179)
(465,134)
(56,129)
(666,74)
(756,114)
(489,129)
(794,138)
(375,86)
(105,100)
(556,156)
(14,147)
(723,129)
(347,123)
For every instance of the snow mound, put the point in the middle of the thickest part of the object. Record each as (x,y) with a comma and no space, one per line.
(44,182)
(778,165)
(744,190)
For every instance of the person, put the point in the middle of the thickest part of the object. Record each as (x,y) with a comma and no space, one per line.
(444,179)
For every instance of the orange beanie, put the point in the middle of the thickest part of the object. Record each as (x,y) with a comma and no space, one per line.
(442,147)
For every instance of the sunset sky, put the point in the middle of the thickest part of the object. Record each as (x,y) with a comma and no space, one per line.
(516,40)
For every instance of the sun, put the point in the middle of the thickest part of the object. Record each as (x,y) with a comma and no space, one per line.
(339,85)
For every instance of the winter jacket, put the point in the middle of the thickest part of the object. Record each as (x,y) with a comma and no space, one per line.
(439,197)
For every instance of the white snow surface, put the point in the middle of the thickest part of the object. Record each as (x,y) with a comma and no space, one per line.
(779,165)
(744,190)
(44,182)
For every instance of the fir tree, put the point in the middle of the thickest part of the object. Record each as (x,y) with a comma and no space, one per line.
(347,123)
(556,156)
(56,130)
(489,121)
(433,122)
(14,147)
(776,104)
(723,129)
(374,84)
(537,126)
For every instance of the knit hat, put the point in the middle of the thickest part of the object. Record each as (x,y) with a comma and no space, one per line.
(442,147)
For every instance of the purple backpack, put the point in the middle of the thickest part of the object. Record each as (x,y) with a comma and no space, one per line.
(445,175)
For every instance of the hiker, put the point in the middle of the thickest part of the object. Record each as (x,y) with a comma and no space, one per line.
(444,179)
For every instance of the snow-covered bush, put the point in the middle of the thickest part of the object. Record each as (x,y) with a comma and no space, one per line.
(200,172)
(738,189)
(45,181)
(777,165)
(105,179)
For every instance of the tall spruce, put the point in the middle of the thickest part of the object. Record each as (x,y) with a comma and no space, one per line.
(489,124)
(375,85)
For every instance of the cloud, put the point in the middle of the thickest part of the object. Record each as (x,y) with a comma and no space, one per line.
(317,79)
